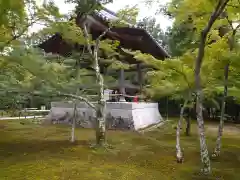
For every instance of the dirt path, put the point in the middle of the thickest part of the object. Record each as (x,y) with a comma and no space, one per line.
(231,130)
(17,118)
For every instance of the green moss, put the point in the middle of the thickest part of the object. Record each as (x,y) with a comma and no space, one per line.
(37,152)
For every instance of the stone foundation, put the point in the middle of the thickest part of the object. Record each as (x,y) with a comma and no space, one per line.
(120,115)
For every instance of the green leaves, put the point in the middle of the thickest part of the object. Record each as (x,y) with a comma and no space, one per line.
(173,76)
(118,65)
(128,14)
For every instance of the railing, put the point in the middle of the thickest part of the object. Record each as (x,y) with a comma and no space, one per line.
(140,97)
(121,96)
(124,95)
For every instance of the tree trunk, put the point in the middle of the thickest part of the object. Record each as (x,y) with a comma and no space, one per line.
(101,109)
(101,125)
(74,123)
(216,152)
(188,127)
(199,108)
(179,153)
(203,146)
(101,106)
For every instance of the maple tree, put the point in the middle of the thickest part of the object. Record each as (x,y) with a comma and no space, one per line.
(211,25)
(49,75)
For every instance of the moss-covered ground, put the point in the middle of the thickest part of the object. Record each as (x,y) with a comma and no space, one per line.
(40,152)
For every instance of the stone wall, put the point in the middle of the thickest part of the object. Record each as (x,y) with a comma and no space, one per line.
(120,115)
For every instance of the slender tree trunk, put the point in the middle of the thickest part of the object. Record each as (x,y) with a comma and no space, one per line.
(74,123)
(217,149)
(179,153)
(203,146)
(101,108)
(101,125)
(199,108)
(216,152)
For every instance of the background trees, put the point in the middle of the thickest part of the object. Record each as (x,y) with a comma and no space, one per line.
(209,30)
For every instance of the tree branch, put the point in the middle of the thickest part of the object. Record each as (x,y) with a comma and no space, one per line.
(103,34)
(183,75)
(230,22)
(238,27)
(87,39)
(19,34)
(218,10)
(78,98)
(232,39)
(235,30)
(97,68)
(96,48)
(97,40)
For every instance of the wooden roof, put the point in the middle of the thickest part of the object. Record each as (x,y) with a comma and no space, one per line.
(129,37)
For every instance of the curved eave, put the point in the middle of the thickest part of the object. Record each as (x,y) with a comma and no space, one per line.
(165,53)
(105,20)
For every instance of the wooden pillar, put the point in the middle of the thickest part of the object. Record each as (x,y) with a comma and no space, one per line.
(121,84)
(139,76)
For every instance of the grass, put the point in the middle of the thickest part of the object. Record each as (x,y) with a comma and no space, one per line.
(36,152)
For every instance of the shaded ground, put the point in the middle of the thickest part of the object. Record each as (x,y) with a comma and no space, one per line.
(33,152)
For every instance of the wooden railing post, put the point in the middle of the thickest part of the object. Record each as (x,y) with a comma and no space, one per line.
(121,85)
(139,76)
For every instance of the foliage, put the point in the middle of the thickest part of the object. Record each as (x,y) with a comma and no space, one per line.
(189,19)
(128,14)
(27,70)
(87,6)
(174,77)
(23,14)
(150,24)
(30,72)
(180,39)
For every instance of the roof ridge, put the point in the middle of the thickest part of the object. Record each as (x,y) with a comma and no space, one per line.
(158,44)
(112,13)
(130,25)
(154,39)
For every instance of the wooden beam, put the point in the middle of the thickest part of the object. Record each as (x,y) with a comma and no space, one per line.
(121,84)
(139,76)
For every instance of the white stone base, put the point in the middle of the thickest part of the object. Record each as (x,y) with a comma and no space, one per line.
(120,115)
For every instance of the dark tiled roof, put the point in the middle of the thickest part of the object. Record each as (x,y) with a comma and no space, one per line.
(148,45)
(108,15)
